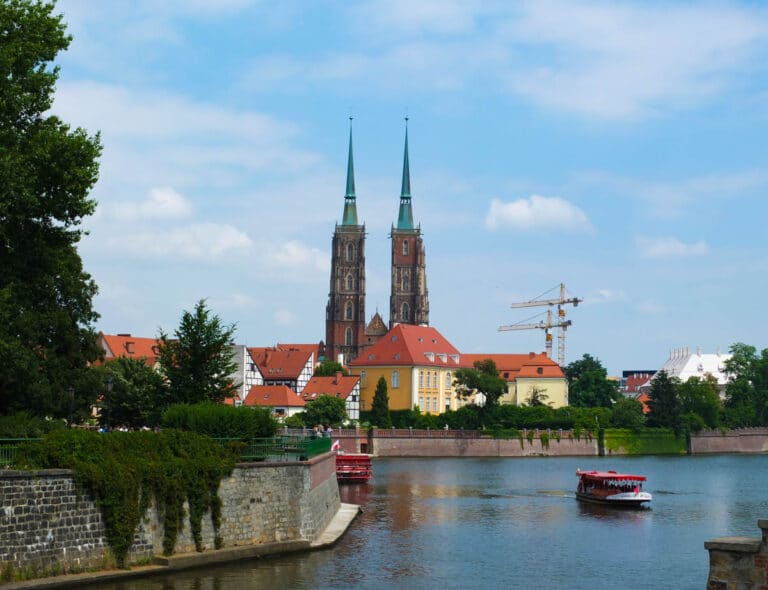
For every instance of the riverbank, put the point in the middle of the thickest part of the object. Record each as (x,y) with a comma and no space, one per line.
(335,530)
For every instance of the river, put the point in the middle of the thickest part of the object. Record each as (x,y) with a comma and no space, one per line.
(514,523)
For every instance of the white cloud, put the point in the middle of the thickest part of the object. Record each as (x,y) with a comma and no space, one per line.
(294,255)
(162,203)
(536,212)
(669,247)
(284,317)
(198,242)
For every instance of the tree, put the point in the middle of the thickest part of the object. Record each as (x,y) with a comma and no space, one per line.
(628,413)
(327,410)
(46,172)
(329,369)
(746,395)
(198,363)
(138,396)
(588,384)
(538,396)
(699,398)
(664,404)
(380,415)
(482,379)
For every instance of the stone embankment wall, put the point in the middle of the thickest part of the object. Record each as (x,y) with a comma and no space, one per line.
(739,563)
(741,440)
(48,524)
(458,443)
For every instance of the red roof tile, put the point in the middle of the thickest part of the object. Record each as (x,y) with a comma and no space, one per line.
(512,366)
(125,345)
(273,396)
(337,386)
(409,345)
(275,363)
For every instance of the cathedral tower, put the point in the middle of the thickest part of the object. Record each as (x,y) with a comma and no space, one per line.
(345,312)
(408,301)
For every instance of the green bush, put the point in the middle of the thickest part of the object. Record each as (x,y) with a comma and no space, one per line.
(221,421)
(125,470)
(24,425)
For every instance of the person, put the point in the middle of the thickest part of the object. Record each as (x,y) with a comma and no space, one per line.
(328,431)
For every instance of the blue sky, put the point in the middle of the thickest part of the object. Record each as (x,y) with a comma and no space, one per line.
(617,147)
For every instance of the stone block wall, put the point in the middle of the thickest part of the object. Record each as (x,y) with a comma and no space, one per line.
(47,523)
(739,563)
(741,440)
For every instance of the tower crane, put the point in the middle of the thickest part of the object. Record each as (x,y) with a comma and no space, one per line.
(561,323)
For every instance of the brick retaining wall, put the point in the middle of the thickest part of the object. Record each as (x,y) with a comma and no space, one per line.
(741,440)
(48,524)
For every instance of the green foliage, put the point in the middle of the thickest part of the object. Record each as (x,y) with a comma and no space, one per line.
(648,441)
(746,395)
(329,369)
(538,396)
(25,425)
(297,420)
(700,405)
(326,410)
(198,362)
(47,170)
(628,413)
(138,396)
(664,403)
(380,415)
(124,471)
(484,379)
(588,384)
(221,421)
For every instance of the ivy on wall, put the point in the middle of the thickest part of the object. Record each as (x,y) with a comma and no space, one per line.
(125,471)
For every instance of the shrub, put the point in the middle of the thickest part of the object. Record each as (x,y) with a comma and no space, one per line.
(24,425)
(221,421)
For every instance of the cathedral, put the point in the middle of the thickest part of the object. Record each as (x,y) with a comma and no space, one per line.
(346,333)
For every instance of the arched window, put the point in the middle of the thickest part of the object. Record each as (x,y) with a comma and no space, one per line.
(395,378)
(350,283)
(405,247)
(406,283)
(405,313)
(350,252)
(348,337)
(348,311)
(434,380)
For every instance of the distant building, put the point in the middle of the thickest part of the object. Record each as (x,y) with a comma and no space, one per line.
(632,380)
(281,399)
(417,363)
(346,387)
(278,365)
(683,364)
(125,345)
(526,373)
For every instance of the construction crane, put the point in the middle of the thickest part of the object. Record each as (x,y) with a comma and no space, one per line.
(561,323)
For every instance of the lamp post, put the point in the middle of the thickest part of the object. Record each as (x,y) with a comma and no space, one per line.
(110,382)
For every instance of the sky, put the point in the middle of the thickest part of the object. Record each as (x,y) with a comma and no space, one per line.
(615,147)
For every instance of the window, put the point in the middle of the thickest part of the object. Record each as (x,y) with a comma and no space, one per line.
(540,370)
(406,283)
(421,404)
(421,379)
(448,380)
(348,337)
(405,247)
(405,314)
(395,379)
(350,252)
(434,404)
(434,380)
(348,311)
(350,283)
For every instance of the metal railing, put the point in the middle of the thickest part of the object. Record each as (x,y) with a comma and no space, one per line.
(280,448)
(8,448)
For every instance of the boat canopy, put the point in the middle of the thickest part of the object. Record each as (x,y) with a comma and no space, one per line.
(609,476)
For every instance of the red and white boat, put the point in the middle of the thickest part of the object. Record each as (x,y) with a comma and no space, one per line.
(612,489)
(353,468)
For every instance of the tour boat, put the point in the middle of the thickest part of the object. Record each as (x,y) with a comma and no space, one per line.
(353,468)
(612,489)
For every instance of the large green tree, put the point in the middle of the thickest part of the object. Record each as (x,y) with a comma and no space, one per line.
(47,170)
(326,410)
(329,369)
(588,384)
(746,395)
(483,378)
(198,362)
(699,402)
(664,404)
(380,415)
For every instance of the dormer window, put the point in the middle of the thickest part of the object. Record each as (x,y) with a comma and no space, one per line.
(430,356)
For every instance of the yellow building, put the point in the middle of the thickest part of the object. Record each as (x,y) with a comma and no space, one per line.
(418,364)
(526,374)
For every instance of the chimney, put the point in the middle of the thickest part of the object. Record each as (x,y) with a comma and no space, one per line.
(337,378)
(531,355)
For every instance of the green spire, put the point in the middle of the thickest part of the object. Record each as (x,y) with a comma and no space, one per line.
(405,215)
(350,208)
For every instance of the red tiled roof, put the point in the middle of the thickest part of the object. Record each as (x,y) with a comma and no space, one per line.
(275,363)
(125,345)
(512,366)
(409,345)
(313,348)
(336,385)
(273,396)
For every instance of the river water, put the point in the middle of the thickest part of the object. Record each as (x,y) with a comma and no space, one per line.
(514,523)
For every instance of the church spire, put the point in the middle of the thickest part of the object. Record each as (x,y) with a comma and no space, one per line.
(350,207)
(405,215)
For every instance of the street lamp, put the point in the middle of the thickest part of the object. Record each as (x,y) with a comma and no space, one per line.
(71,391)
(110,382)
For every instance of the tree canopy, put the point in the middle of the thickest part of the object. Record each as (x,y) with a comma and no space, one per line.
(484,379)
(746,395)
(329,369)
(588,384)
(326,410)
(664,403)
(198,362)
(47,170)
(380,415)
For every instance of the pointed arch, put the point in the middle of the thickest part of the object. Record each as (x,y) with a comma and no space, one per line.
(350,252)
(349,311)
(348,337)
(405,313)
